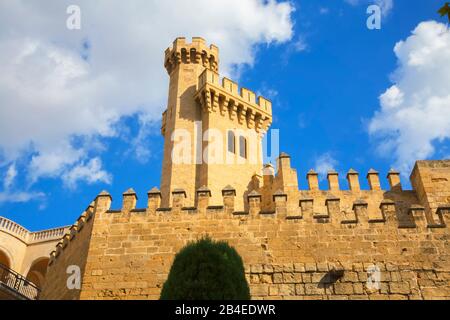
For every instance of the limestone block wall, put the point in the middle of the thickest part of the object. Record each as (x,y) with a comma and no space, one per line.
(323,248)
(131,255)
(431,179)
(71,250)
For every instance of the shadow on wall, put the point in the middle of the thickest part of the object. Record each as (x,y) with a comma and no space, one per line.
(330,278)
(4,259)
(37,271)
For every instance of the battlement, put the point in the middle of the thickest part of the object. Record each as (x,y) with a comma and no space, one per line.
(345,207)
(72,232)
(195,52)
(353,181)
(225,96)
(280,198)
(340,208)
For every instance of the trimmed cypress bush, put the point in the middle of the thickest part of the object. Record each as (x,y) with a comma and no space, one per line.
(206,270)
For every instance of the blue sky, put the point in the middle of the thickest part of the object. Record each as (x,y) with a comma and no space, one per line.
(325,76)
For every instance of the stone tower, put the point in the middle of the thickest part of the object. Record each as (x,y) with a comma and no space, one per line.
(212,130)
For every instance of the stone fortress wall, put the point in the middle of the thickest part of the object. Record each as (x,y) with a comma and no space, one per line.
(296,244)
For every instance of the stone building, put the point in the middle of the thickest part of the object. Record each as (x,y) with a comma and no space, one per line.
(24,257)
(339,243)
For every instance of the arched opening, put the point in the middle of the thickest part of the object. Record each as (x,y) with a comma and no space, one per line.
(37,272)
(5,265)
(4,260)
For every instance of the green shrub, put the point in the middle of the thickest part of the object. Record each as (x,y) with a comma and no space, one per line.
(206,270)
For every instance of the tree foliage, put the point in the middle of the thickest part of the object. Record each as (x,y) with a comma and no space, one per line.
(445,10)
(206,270)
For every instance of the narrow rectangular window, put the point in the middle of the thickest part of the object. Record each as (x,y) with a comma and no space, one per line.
(243,147)
(231,142)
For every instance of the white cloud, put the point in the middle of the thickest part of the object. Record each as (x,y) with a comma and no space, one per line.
(90,172)
(300,44)
(385,5)
(10,175)
(415,110)
(57,84)
(20,196)
(392,98)
(140,144)
(10,195)
(325,163)
(268,91)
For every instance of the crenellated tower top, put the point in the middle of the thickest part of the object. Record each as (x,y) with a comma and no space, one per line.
(211,127)
(196,52)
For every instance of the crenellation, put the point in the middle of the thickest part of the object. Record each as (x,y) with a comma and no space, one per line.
(322,207)
(374,180)
(70,236)
(393,177)
(196,52)
(73,231)
(353,180)
(129,200)
(239,102)
(333,180)
(280,202)
(248,95)
(265,104)
(154,199)
(254,203)
(230,86)
(178,196)
(228,194)
(102,202)
(203,195)
(313,180)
